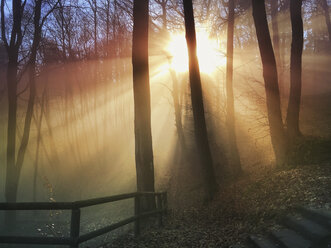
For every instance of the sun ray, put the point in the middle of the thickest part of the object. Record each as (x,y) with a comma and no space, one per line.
(209,54)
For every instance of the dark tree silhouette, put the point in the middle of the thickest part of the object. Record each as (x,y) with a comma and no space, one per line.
(141,92)
(325,8)
(94,8)
(163,4)
(15,162)
(235,158)
(12,171)
(200,128)
(274,25)
(277,131)
(276,42)
(296,69)
(175,85)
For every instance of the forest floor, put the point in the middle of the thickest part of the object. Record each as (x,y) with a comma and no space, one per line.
(252,204)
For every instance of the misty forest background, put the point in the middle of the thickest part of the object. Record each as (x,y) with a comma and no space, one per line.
(76,121)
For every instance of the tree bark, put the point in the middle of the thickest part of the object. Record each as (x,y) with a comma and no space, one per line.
(141,92)
(95,30)
(164,15)
(11,187)
(327,17)
(200,128)
(274,25)
(32,82)
(277,131)
(235,158)
(175,85)
(177,107)
(296,69)
(14,165)
(276,43)
(12,172)
(36,163)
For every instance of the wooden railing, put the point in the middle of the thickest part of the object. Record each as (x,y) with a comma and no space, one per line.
(75,238)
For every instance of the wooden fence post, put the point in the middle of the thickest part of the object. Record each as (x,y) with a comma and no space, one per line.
(160,208)
(74,227)
(137,214)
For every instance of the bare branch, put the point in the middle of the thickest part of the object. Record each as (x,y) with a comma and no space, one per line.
(3,30)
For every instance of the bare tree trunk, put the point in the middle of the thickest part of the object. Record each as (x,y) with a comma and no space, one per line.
(95,33)
(296,69)
(200,128)
(11,182)
(39,125)
(177,108)
(94,8)
(142,104)
(14,165)
(277,131)
(175,85)
(275,41)
(115,37)
(275,32)
(327,17)
(32,75)
(12,171)
(164,14)
(107,9)
(235,158)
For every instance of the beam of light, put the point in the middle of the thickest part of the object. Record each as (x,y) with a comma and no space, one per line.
(209,55)
(100,130)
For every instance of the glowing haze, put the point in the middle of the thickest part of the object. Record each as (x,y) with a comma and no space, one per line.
(208,52)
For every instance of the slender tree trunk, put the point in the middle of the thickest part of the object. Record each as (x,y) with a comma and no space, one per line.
(282,51)
(39,125)
(177,107)
(200,128)
(296,69)
(12,171)
(116,52)
(164,15)
(277,131)
(28,117)
(95,19)
(175,85)
(11,182)
(14,165)
(32,82)
(275,41)
(107,6)
(141,92)
(327,17)
(275,32)
(236,166)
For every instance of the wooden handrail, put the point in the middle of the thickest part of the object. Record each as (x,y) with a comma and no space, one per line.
(36,206)
(75,238)
(70,205)
(103,200)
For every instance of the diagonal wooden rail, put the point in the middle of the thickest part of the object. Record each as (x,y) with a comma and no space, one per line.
(75,238)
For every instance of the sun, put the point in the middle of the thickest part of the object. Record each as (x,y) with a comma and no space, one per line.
(209,55)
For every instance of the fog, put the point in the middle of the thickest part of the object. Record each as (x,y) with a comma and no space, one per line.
(82,143)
